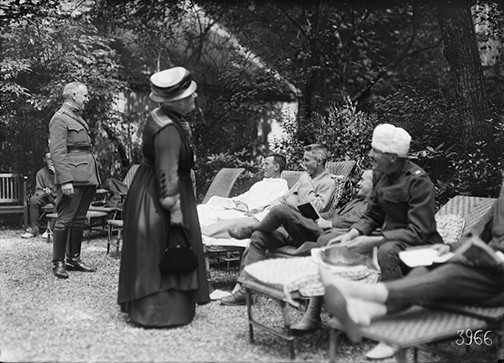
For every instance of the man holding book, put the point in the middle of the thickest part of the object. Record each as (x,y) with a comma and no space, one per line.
(316,186)
(304,229)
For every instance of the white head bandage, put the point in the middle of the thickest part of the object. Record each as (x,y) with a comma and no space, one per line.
(390,139)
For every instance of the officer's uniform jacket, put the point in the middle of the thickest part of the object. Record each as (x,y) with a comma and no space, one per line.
(402,204)
(71,149)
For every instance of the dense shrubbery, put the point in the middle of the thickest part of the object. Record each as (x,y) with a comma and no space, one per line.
(432,123)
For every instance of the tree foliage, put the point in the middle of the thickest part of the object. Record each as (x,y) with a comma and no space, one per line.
(40,54)
(354,63)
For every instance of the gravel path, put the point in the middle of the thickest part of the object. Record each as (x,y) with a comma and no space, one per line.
(43,319)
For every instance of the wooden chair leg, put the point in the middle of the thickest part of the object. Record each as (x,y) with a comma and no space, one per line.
(119,240)
(334,337)
(208,272)
(288,331)
(109,238)
(249,314)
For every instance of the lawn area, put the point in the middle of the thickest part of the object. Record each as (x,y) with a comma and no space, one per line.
(44,319)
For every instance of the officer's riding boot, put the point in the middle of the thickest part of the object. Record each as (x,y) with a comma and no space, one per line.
(59,244)
(73,260)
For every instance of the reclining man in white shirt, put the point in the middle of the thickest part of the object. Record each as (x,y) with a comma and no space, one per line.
(258,197)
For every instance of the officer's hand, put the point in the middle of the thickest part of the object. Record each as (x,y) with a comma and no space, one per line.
(67,189)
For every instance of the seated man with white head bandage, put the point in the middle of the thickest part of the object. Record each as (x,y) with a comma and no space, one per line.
(402,207)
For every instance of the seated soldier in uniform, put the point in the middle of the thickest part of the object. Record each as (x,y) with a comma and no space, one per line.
(402,205)
(45,193)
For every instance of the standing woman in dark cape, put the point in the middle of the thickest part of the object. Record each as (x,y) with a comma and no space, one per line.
(160,200)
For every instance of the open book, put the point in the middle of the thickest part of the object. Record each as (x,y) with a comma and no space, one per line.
(423,256)
(475,252)
(309,211)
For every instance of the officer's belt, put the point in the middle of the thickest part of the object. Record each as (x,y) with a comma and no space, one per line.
(78,148)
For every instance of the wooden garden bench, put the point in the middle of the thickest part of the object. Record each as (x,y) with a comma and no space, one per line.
(13,195)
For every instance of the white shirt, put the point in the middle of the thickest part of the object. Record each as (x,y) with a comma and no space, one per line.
(258,196)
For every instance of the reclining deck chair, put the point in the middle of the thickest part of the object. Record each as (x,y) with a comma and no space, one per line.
(221,186)
(292,176)
(222,183)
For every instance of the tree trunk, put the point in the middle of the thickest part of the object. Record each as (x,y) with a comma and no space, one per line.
(461,52)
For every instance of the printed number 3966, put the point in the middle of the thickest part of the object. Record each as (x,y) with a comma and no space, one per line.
(479,337)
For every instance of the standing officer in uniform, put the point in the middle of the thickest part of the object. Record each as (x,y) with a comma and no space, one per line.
(76,178)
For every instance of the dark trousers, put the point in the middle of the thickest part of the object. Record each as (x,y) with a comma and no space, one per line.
(282,226)
(391,265)
(449,282)
(72,210)
(299,228)
(36,202)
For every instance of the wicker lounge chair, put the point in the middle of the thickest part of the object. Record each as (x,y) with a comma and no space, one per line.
(292,176)
(421,327)
(221,186)
(222,183)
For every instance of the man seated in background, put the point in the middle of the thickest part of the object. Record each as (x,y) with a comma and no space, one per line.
(45,193)
(260,195)
(316,186)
